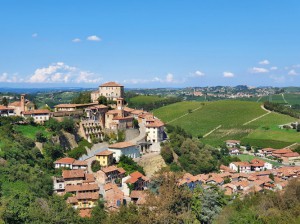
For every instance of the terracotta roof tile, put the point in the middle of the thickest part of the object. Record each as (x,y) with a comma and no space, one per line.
(67,174)
(66,160)
(105,153)
(121,145)
(111,84)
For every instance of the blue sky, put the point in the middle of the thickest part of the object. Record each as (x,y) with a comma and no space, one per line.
(170,43)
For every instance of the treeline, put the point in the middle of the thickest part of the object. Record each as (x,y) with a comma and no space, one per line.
(265,208)
(182,152)
(148,106)
(282,109)
(82,98)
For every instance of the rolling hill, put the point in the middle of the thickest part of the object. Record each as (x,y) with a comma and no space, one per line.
(222,120)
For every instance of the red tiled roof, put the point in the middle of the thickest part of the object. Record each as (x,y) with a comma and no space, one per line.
(79,163)
(268,149)
(242,164)
(111,84)
(135,176)
(105,153)
(41,111)
(291,154)
(282,151)
(122,118)
(121,145)
(15,104)
(83,187)
(67,174)
(156,124)
(72,200)
(66,160)
(109,169)
(112,112)
(137,112)
(83,196)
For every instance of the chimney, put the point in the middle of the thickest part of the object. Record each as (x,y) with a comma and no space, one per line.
(22,102)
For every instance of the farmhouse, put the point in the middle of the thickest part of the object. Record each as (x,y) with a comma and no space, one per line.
(111,90)
(233,143)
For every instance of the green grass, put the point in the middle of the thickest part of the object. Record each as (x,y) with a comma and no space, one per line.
(175,110)
(30,131)
(231,115)
(248,158)
(145,99)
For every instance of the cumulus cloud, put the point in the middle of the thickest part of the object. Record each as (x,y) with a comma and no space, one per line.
(34,35)
(259,70)
(76,40)
(274,68)
(292,72)
(264,62)
(228,74)
(61,73)
(93,38)
(5,77)
(197,74)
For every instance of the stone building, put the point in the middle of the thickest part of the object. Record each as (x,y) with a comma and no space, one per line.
(111,90)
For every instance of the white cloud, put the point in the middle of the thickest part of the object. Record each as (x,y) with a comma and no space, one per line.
(274,68)
(197,74)
(264,62)
(61,73)
(76,40)
(292,72)
(34,35)
(259,70)
(5,77)
(93,38)
(228,74)
(170,77)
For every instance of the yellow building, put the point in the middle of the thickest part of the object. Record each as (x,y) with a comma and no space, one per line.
(105,158)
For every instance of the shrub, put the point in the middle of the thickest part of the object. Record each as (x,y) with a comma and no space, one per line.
(95,166)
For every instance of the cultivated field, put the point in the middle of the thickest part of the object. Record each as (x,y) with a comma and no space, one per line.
(228,118)
(30,131)
(145,99)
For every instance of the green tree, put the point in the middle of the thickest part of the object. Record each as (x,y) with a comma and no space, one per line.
(4,101)
(40,137)
(95,166)
(102,100)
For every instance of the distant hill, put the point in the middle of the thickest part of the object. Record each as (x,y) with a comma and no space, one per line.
(239,120)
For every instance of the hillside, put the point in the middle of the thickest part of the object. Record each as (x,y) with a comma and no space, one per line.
(222,120)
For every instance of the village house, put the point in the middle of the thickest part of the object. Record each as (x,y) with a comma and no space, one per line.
(6,111)
(267,151)
(70,163)
(110,174)
(113,196)
(22,105)
(233,143)
(259,165)
(124,148)
(138,197)
(69,107)
(97,113)
(138,181)
(83,200)
(242,167)
(39,116)
(154,130)
(111,90)
(105,158)
(234,151)
(73,176)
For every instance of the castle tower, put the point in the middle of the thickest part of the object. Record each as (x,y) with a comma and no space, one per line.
(120,107)
(22,101)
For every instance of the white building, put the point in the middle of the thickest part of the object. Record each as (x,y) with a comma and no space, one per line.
(39,116)
(124,148)
(154,130)
(70,163)
(242,167)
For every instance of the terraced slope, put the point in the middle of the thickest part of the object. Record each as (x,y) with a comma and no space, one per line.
(227,118)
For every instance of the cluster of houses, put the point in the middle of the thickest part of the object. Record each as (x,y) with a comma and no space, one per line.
(111,183)
(95,117)
(284,155)
(242,183)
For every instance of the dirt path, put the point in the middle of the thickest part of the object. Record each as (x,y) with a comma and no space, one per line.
(207,134)
(262,107)
(284,98)
(183,115)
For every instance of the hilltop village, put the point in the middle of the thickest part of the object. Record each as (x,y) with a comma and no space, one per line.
(83,187)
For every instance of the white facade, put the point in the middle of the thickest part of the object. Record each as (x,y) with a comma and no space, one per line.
(155,134)
(131,151)
(268,166)
(243,168)
(63,165)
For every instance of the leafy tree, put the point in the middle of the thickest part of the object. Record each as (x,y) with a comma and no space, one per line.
(4,101)
(102,100)
(40,137)
(68,125)
(129,165)
(167,154)
(95,166)
(82,98)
